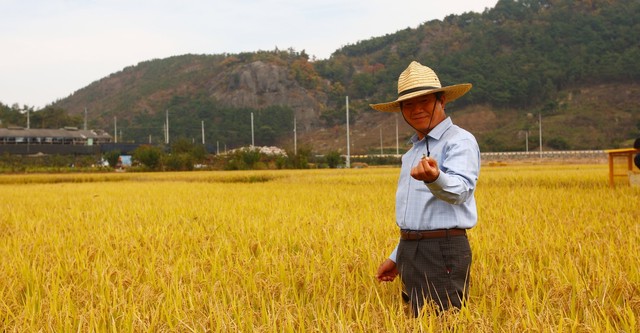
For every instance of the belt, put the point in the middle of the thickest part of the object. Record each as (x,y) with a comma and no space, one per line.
(425,234)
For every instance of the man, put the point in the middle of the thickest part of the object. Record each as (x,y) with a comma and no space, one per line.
(435,202)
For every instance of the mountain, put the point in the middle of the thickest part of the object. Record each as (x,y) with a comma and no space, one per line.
(573,64)
(221,90)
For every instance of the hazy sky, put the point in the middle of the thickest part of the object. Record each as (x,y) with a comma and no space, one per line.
(51,48)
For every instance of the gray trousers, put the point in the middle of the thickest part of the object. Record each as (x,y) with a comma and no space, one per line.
(435,270)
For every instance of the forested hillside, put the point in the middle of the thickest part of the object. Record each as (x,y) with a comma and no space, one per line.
(518,54)
(575,64)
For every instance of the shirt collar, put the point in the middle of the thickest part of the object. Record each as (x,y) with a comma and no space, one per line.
(437,131)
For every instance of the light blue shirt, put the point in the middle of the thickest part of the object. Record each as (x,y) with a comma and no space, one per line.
(448,202)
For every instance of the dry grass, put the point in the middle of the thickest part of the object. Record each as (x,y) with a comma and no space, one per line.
(555,250)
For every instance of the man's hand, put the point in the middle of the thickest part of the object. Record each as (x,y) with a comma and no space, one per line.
(426,170)
(387,271)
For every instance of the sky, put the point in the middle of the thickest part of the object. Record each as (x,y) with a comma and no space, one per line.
(52,48)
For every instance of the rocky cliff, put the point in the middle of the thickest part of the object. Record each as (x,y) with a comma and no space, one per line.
(259,84)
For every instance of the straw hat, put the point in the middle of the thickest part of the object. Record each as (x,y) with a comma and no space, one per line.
(418,80)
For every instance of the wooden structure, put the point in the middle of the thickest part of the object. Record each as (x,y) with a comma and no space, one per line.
(623,159)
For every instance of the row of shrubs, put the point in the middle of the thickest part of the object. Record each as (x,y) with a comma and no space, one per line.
(185,158)
(50,163)
(153,158)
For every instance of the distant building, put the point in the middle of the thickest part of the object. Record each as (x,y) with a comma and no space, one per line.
(68,140)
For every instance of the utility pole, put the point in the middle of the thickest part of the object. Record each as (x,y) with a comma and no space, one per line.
(85,118)
(295,137)
(167,126)
(540,133)
(203,132)
(397,144)
(115,128)
(348,143)
(28,119)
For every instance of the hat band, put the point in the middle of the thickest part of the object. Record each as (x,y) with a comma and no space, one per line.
(408,91)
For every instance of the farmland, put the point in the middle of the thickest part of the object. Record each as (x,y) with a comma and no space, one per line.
(555,249)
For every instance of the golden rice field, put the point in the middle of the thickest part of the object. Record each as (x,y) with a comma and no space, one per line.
(555,250)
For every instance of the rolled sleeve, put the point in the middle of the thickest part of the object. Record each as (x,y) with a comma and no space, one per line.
(458,173)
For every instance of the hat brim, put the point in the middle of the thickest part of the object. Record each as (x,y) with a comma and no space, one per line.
(451,93)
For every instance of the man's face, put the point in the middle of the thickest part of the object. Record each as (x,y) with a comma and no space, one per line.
(418,112)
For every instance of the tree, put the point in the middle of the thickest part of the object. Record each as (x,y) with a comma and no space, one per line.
(54,117)
(333,159)
(182,145)
(149,156)
(363,85)
(300,160)
(112,157)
